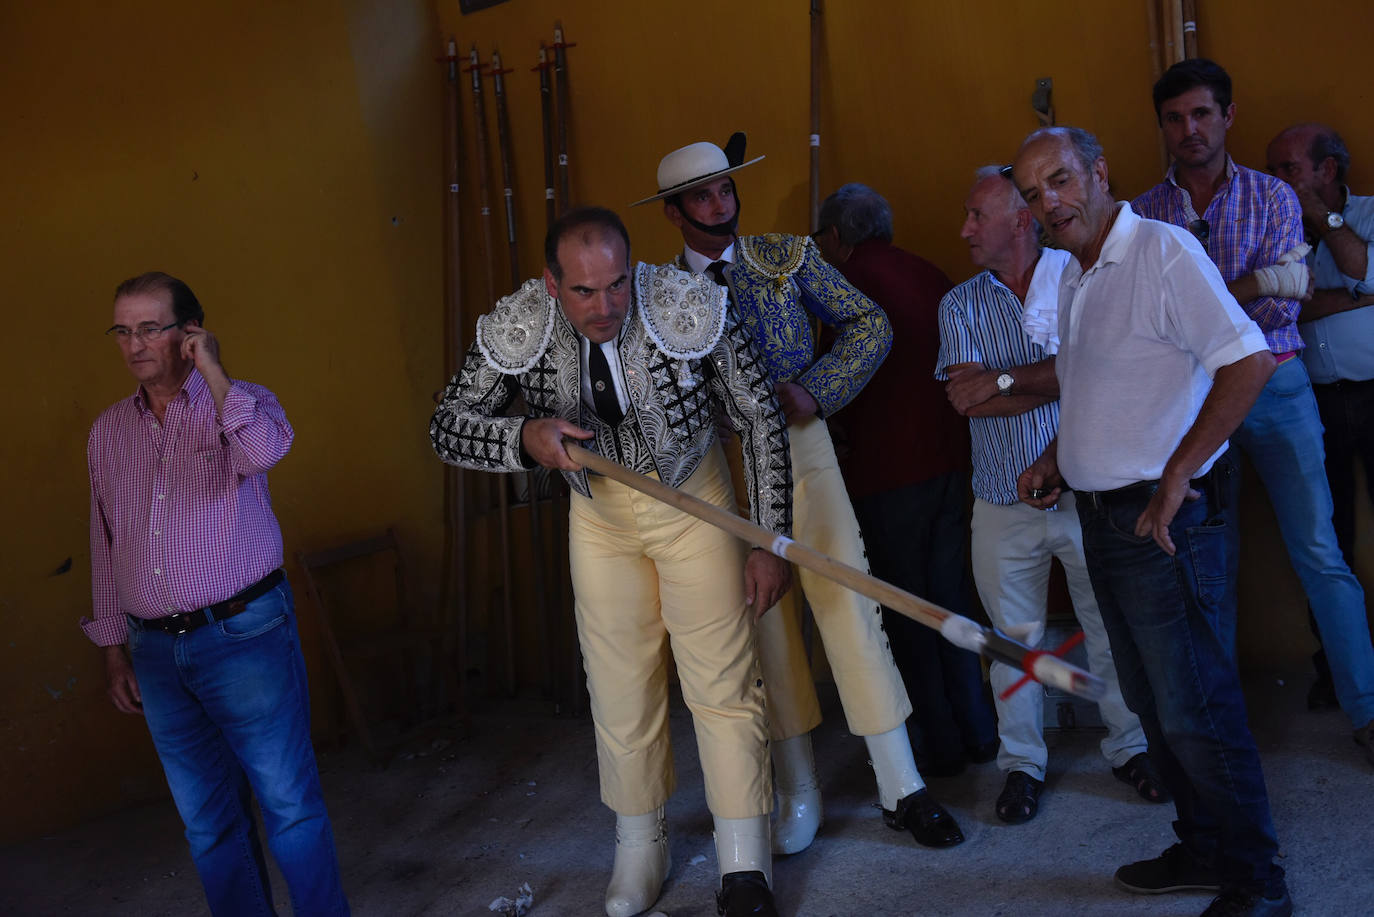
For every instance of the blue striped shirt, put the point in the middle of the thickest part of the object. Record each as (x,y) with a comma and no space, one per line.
(980,322)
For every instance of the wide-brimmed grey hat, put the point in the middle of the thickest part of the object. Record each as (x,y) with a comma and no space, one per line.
(695,164)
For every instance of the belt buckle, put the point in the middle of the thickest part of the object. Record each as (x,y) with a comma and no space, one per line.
(182,623)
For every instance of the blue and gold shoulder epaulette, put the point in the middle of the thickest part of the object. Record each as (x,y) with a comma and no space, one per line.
(774,255)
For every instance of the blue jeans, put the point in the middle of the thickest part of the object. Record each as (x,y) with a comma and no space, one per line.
(915,538)
(229,711)
(1168,620)
(1282,437)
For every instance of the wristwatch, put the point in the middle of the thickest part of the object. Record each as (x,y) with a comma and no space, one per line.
(1004,383)
(1334,220)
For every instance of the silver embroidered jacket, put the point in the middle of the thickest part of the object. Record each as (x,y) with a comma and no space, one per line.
(683,355)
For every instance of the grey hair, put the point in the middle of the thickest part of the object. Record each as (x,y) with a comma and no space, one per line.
(858,214)
(1326,142)
(1018,202)
(1085,146)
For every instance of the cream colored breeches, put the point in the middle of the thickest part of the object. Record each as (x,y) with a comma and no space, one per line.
(850,625)
(648,577)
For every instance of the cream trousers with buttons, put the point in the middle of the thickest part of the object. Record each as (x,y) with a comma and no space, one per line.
(850,625)
(648,577)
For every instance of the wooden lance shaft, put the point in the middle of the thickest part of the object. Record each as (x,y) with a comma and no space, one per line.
(503,139)
(454,586)
(998,647)
(1189,12)
(815,115)
(502,499)
(560,69)
(503,136)
(546,113)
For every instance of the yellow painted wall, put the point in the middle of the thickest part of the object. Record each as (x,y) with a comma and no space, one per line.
(284,159)
(915,97)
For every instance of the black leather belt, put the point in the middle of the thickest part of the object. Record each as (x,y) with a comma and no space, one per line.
(1142,491)
(186,621)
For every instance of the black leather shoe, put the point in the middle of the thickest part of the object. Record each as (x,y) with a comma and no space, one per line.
(926,819)
(1020,798)
(1322,694)
(744,893)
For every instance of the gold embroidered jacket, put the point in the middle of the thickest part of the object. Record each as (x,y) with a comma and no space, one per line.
(775,281)
(684,356)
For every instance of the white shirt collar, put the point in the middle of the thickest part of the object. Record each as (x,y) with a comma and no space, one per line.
(699,262)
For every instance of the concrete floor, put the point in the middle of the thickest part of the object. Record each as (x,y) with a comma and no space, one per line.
(451,827)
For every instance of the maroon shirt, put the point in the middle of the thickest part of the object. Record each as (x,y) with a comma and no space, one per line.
(900,429)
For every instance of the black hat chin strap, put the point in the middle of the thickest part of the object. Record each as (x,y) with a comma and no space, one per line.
(719,229)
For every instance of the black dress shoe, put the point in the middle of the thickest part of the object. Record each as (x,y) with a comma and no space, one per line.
(1322,694)
(926,819)
(744,893)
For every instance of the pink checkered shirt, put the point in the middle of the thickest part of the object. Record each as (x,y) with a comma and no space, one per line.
(180,513)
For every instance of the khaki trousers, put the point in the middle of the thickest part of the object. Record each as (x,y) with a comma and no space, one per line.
(647,576)
(851,626)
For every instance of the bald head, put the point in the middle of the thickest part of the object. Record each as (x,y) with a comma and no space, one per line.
(1002,235)
(1062,174)
(1311,157)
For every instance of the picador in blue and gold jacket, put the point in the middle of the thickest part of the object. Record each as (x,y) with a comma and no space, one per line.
(777,284)
(640,360)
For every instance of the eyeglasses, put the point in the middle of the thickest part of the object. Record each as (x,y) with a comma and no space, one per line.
(147,332)
(1202,229)
(1005,172)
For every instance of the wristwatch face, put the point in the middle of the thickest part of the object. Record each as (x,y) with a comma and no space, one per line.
(1334,220)
(1004,383)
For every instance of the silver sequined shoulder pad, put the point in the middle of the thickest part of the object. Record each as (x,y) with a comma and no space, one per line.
(513,336)
(683,313)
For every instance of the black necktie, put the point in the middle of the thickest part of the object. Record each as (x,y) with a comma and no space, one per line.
(717,271)
(603,387)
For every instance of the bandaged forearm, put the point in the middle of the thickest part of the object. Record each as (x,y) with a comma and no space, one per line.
(1286,279)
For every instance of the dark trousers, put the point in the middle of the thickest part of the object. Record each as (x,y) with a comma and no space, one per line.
(916,539)
(1171,622)
(1347,413)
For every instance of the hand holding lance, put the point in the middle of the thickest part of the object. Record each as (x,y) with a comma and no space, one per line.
(994,645)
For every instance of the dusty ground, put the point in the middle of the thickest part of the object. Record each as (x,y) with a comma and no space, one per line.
(460,822)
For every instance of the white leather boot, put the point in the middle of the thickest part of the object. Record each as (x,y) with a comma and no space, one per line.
(907,804)
(894,766)
(642,863)
(746,867)
(799,795)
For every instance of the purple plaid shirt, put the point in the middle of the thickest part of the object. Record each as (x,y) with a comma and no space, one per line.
(1253,220)
(180,513)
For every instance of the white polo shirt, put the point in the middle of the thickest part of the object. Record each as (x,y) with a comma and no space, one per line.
(1141,334)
